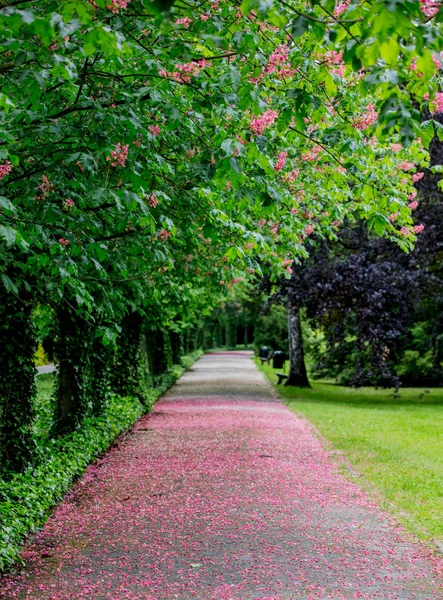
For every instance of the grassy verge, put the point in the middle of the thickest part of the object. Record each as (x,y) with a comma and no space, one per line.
(26,500)
(394,444)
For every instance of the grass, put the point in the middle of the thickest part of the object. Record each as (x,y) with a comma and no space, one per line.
(394,444)
(44,405)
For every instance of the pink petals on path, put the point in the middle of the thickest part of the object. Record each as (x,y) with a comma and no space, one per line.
(224,494)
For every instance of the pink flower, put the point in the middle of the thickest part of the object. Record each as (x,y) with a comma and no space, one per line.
(405,231)
(334,61)
(436,105)
(5,169)
(336,223)
(63,241)
(309,229)
(429,7)
(396,147)
(417,176)
(163,235)
(264,121)
(437,62)
(119,155)
(152,200)
(367,119)
(117,4)
(185,21)
(418,228)
(204,17)
(287,262)
(393,217)
(46,186)
(406,165)
(341,7)
(413,205)
(154,130)
(412,195)
(68,203)
(280,163)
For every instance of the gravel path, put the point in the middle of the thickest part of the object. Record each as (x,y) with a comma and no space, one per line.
(222,493)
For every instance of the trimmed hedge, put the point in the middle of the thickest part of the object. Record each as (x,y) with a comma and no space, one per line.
(27,499)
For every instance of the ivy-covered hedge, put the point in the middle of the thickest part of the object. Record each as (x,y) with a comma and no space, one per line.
(27,499)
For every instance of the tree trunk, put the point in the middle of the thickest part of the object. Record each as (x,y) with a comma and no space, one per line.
(71,350)
(297,369)
(17,383)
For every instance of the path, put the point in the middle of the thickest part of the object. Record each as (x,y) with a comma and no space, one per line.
(222,493)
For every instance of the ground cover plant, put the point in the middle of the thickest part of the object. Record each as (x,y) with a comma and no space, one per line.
(394,443)
(27,498)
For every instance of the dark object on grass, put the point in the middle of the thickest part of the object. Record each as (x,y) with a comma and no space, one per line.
(278,361)
(281,376)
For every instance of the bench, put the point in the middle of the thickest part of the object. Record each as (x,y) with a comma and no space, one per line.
(281,377)
(266,359)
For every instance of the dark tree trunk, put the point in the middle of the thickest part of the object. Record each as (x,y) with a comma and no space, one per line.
(17,382)
(71,350)
(129,375)
(297,369)
(176,347)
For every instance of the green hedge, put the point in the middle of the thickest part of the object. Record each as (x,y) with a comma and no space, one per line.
(27,499)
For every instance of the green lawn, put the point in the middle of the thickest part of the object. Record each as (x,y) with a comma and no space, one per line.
(43,406)
(394,445)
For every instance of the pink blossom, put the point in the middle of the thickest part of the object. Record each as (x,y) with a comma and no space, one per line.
(185,21)
(309,229)
(367,119)
(294,210)
(334,61)
(68,203)
(393,217)
(204,17)
(418,228)
(264,121)
(341,7)
(396,147)
(46,186)
(164,235)
(154,130)
(412,195)
(336,223)
(311,155)
(152,200)
(287,262)
(116,5)
(63,241)
(429,7)
(5,169)
(436,105)
(405,231)
(417,176)
(437,62)
(406,165)
(261,223)
(413,205)
(119,155)
(279,64)
(280,163)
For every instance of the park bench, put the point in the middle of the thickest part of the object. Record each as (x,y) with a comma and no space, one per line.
(267,359)
(281,377)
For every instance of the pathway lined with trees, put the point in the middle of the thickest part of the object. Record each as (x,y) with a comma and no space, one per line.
(221,493)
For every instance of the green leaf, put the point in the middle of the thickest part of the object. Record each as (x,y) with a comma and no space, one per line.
(8,234)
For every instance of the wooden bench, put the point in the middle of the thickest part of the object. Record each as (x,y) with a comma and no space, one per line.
(266,359)
(281,377)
